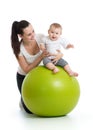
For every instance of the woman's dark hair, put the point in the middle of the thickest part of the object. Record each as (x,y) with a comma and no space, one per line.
(17,28)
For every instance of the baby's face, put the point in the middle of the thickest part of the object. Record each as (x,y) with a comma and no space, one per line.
(54,33)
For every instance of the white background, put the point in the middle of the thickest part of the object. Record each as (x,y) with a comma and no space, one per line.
(76,18)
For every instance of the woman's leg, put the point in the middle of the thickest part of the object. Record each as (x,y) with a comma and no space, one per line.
(20,79)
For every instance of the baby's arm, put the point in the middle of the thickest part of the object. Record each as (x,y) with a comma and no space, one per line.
(66,44)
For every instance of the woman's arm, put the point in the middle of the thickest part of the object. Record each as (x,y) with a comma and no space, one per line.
(27,67)
(42,46)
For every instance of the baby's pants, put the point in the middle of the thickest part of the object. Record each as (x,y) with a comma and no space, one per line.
(61,62)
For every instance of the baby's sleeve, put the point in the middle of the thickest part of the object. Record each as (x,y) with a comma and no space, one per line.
(40,38)
(64,42)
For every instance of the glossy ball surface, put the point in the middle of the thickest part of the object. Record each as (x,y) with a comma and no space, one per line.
(48,94)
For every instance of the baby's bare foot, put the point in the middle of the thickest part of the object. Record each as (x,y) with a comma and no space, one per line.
(73,74)
(56,70)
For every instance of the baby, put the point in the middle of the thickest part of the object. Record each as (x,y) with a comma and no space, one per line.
(53,43)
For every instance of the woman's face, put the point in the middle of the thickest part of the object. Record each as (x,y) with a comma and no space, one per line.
(28,34)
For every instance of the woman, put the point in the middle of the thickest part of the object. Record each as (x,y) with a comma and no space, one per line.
(26,47)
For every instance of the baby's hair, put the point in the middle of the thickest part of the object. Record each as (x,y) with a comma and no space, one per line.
(56,25)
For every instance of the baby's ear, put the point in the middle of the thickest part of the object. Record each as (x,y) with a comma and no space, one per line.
(61,32)
(48,31)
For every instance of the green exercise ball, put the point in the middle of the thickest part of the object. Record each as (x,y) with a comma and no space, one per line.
(48,94)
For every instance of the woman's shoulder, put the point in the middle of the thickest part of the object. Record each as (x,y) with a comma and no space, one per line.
(21,49)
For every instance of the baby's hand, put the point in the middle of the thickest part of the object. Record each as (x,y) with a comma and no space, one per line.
(57,57)
(70,46)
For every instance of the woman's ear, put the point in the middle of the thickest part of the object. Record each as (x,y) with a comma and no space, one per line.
(19,36)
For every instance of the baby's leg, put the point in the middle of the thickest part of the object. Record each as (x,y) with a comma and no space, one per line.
(47,62)
(69,71)
(52,67)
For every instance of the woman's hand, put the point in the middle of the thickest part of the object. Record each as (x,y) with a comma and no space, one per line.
(45,54)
